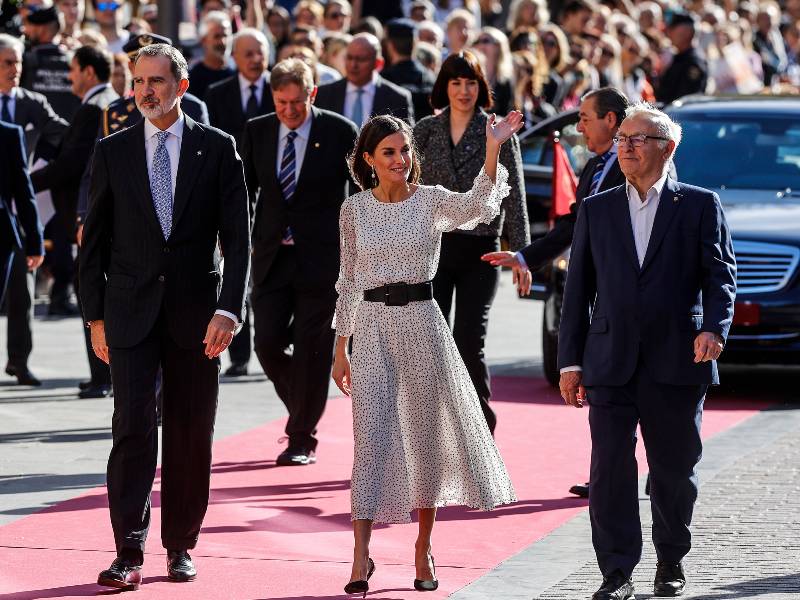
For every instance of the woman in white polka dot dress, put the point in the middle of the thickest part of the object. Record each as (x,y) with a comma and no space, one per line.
(421,440)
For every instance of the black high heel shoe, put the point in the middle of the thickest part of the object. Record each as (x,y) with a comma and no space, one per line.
(425,585)
(361,586)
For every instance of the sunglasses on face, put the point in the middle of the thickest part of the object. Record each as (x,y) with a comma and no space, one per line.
(549,43)
(107,6)
(336,15)
(485,40)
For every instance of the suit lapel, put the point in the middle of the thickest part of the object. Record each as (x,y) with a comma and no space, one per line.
(341,94)
(141,177)
(314,149)
(668,205)
(379,102)
(621,217)
(190,163)
(470,143)
(21,110)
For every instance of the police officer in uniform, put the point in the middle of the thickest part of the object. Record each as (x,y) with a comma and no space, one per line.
(688,73)
(123,113)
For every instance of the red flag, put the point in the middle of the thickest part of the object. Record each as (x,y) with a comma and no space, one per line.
(564,182)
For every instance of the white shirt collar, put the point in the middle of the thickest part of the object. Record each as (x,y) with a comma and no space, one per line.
(303,131)
(244,85)
(87,96)
(175,129)
(658,187)
(368,88)
(12,93)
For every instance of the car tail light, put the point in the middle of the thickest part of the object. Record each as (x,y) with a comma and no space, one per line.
(746,313)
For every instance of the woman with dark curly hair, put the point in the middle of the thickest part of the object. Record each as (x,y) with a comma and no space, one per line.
(420,439)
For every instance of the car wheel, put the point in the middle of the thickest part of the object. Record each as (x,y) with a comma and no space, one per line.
(550,355)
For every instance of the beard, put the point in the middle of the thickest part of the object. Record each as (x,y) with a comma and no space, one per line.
(158,110)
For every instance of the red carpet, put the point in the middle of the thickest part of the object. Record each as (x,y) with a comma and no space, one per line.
(285,532)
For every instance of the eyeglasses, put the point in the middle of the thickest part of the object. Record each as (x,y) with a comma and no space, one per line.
(108,6)
(637,141)
(485,40)
(336,15)
(549,43)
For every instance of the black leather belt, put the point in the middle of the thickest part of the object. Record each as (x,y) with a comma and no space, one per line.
(400,294)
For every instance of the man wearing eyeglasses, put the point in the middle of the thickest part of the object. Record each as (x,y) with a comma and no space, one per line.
(647,308)
(109,16)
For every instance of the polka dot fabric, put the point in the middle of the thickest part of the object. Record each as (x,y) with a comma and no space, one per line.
(420,436)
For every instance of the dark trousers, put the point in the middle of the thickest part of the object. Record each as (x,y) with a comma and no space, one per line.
(59,259)
(19,308)
(99,372)
(474,282)
(190,386)
(286,312)
(669,417)
(241,347)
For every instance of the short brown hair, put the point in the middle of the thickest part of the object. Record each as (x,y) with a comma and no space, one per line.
(372,134)
(291,70)
(463,64)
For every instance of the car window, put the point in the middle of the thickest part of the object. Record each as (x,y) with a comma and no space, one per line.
(733,152)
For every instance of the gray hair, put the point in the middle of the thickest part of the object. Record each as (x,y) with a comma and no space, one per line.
(665,127)
(292,70)
(250,32)
(215,16)
(177,64)
(371,41)
(10,42)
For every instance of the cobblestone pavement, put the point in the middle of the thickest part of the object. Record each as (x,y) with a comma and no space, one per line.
(745,528)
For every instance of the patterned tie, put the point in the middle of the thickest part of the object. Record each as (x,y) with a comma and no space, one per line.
(5,115)
(161,184)
(597,176)
(357,115)
(286,179)
(252,103)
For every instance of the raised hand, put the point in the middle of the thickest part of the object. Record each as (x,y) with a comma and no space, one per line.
(498,132)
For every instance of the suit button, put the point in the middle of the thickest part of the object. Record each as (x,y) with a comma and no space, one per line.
(166,249)
(161,278)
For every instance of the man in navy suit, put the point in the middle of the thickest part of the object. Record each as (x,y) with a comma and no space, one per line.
(645,316)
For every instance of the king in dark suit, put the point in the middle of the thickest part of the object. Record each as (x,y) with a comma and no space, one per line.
(162,193)
(363,93)
(647,308)
(296,170)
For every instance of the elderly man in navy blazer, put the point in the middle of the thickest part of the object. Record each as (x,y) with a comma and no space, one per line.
(646,313)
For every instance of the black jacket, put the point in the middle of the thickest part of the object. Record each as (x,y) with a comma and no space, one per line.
(313,213)
(688,74)
(129,274)
(43,128)
(411,75)
(390,99)
(559,238)
(224,100)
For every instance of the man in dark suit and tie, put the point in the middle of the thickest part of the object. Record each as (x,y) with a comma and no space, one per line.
(647,308)
(89,73)
(363,93)
(232,101)
(162,193)
(21,231)
(600,114)
(43,130)
(297,175)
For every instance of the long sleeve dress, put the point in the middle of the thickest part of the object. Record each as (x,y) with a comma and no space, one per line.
(420,436)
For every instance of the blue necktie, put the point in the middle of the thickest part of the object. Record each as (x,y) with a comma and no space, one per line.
(597,176)
(161,184)
(286,179)
(357,115)
(5,115)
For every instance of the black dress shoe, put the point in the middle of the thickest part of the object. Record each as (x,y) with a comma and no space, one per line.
(670,580)
(615,587)
(580,489)
(180,566)
(236,370)
(62,309)
(102,390)
(23,375)
(84,384)
(361,586)
(427,585)
(295,456)
(122,574)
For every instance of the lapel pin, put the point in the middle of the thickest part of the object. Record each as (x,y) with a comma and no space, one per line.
(199,152)
(316,144)
(674,198)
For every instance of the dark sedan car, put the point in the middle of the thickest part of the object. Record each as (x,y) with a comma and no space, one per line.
(748,151)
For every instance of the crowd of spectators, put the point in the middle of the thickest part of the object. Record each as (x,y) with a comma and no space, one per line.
(539,57)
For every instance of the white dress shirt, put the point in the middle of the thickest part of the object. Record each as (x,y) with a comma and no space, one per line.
(643,215)
(93,90)
(244,86)
(300,144)
(12,102)
(173,145)
(367,99)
